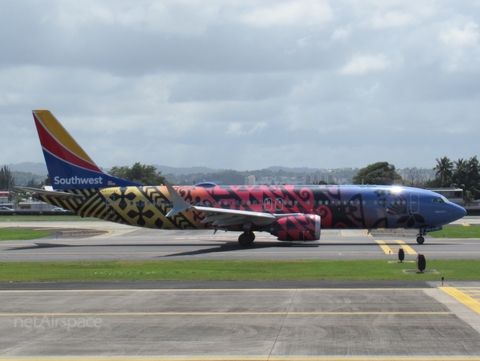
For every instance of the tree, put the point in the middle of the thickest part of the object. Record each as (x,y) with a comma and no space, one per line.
(140,173)
(7,180)
(444,170)
(415,177)
(459,163)
(467,177)
(378,173)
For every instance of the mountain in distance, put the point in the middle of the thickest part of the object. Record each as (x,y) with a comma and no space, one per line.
(276,168)
(190,175)
(165,169)
(29,167)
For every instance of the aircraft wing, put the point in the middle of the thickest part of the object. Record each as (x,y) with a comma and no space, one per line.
(220,217)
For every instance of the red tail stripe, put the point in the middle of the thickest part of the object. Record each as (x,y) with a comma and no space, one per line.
(53,146)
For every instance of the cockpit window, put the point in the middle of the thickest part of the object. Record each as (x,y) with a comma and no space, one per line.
(440,200)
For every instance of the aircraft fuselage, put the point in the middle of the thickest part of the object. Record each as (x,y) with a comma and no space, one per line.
(347,207)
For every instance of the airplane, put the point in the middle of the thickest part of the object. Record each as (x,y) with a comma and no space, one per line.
(289,212)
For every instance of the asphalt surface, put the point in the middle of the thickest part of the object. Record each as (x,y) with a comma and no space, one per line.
(74,241)
(240,323)
(249,320)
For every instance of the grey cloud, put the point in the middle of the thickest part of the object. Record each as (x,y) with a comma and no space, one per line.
(187,83)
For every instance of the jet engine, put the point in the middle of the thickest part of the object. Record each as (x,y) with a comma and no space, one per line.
(298,227)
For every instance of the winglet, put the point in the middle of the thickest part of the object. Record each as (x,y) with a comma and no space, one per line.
(179,204)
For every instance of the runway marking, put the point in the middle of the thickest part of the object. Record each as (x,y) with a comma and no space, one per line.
(367,233)
(214,290)
(462,297)
(384,247)
(279,313)
(406,248)
(248,358)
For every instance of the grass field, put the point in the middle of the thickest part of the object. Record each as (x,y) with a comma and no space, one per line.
(457,232)
(233,270)
(43,218)
(21,234)
(228,270)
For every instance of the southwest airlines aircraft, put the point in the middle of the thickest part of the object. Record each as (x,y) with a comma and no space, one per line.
(291,213)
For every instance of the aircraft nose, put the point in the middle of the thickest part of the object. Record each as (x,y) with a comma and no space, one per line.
(458,212)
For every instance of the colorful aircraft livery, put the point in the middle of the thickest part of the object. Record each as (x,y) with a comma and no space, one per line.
(291,213)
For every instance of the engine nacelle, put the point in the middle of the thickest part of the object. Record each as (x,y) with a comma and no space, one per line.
(300,227)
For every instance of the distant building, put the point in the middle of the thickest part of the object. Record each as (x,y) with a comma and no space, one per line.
(250,180)
(34,206)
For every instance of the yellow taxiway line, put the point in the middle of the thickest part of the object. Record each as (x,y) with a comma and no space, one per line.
(468,301)
(406,248)
(280,313)
(252,358)
(385,247)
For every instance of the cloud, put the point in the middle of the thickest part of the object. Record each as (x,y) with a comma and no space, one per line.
(240,130)
(461,50)
(241,83)
(362,64)
(466,37)
(392,19)
(290,13)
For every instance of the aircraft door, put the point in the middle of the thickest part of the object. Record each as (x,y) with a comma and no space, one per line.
(267,204)
(279,204)
(414,203)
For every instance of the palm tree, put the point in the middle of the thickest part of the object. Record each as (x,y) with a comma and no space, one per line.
(459,163)
(444,168)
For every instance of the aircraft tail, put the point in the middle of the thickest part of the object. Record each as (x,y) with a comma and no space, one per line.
(68,165)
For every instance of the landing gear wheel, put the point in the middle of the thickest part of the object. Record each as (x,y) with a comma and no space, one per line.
(246,238)
(420,239)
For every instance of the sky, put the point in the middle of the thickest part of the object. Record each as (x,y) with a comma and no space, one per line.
(240,84)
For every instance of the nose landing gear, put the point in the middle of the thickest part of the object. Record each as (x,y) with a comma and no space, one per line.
(420,236)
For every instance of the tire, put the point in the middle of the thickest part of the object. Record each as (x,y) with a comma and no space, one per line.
(246,239)
(421,262)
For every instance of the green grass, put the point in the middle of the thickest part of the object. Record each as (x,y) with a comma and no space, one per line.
(233,270)
(457,232)
(43,218)
(21,234)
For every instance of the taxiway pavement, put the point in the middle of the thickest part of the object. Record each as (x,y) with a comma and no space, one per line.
(87,241)
(314,320)
(347,322)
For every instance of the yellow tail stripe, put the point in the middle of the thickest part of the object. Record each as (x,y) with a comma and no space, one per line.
(60,134)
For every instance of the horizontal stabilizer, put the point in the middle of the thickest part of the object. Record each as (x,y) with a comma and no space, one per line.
(48,192)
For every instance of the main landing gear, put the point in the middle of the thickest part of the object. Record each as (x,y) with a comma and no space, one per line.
(246,238)
(420,238)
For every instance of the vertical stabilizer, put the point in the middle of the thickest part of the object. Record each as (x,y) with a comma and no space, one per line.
(68,165)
